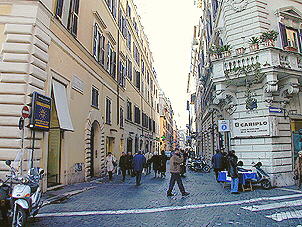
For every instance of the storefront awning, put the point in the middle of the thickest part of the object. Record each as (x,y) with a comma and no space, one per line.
(59,91)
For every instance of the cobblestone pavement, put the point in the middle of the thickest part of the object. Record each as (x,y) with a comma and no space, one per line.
(119,204)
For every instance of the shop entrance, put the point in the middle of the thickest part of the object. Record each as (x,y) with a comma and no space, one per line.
(54,149)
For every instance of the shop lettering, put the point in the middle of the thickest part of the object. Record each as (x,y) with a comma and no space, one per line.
(251,124)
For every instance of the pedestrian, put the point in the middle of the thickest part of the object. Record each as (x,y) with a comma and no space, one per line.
(217,162)
(232,160)
(123,164)
(110,164)
(139,161)
(148,156)
(175,168)
(129,164)
(163,164)
(156,163)
(183,165)
(298,170)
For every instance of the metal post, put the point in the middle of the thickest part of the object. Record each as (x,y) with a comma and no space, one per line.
(32,149)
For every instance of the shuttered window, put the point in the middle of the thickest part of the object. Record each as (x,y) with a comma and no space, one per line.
(137,117)
(138,80)
(108,111)
(121,117)
(129,111)
(59,8)
(94,97)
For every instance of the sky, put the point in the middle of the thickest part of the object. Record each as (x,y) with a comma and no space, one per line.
(169,27)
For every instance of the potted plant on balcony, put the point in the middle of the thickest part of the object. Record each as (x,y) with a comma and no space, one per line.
(214,52)
(225,50)
(240,50)
(254,43)
(268,38)
(291,48)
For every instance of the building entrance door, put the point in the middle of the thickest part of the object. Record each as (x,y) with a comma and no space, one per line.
(54,150)
(95,149)
(109,145)
(296,128)
(129,145)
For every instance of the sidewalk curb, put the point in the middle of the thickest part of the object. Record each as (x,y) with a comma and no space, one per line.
(65,196)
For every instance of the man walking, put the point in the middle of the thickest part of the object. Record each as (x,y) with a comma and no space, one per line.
(217,162)
(232,160)
(123,164)
(175,168)
(139,161)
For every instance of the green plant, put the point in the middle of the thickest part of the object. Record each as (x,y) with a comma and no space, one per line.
(254,40)
(269,35)
(225,48)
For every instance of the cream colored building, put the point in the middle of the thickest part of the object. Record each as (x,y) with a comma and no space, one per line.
(80,54)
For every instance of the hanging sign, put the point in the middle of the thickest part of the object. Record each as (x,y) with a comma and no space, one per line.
(223,125)
(41,106)
(251,127)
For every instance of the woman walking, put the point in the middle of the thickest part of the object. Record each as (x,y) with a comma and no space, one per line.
(163,164)
(110,164)
(298,170)
(156,163)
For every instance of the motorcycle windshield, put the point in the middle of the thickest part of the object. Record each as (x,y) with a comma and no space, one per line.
(21,162)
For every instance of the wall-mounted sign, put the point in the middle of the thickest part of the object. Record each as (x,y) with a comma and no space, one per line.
(251,127)
(275,110)
(224,125)
(77,84)
(40,117)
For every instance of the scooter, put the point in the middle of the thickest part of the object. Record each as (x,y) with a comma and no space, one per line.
(262,177)
(198,165)
(26,195)
(5,191)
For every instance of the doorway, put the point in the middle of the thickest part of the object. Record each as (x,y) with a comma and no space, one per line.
(110,145)
(296,128)
(129,145)
(54,149)
(95,149)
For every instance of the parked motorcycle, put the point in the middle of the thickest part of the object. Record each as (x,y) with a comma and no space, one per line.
(26,195)
(262,177)
(198,165)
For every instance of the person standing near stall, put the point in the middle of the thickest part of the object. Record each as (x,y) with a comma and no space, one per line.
(217,162)
(232,161)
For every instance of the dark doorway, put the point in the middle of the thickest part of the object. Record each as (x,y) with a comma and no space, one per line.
(129,145)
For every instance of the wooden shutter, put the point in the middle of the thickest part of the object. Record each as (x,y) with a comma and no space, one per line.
(59,8)
(300,40)
(283,35)
(73,17)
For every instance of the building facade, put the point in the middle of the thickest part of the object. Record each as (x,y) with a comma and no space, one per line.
(248,79)
(93,60)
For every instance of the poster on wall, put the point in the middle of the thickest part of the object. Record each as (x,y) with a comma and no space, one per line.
(251,127)
(40,115)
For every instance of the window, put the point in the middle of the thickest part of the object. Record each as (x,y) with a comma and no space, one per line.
(143,66)
(94,97)
(137,115)
(129,111)
(121,117)
(129,70)
(108,111)
(291,38)
(215,7)
(136,54)
(111,61)
(112,7)
(138,80)
(122,74)
(59,9)
(73,17)
(129,40)
(98,45)
(150,124)
(128,10)
(153,128)
(123,24)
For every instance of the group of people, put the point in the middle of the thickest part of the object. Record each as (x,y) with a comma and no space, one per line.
(222,161)
(139,162)
(135,165)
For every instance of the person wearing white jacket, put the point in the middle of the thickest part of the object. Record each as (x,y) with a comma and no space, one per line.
(110,164)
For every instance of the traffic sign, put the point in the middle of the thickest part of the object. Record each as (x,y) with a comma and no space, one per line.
(224,125)
(275,110)
(25,112)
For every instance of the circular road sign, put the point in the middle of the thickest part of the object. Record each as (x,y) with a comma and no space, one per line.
(25,112)
(224,127)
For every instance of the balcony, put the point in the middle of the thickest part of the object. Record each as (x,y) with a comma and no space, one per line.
(269,59)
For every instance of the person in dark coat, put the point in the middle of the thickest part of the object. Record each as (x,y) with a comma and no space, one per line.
(139,161)
(156,164)
(123,164)
(184,154)
(217,162)
(129,164)
(232,161)
(163,164)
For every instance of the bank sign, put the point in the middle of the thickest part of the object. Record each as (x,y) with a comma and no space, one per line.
(251,127)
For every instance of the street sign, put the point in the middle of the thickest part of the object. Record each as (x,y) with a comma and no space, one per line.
(275,110)
(25,112)
(21,123)
(223,125)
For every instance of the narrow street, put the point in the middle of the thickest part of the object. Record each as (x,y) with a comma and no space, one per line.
(209,204)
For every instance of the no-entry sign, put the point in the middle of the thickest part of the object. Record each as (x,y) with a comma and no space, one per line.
(25,112)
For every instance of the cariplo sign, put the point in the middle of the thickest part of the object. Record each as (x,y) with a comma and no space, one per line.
(223,125)
(252,127)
